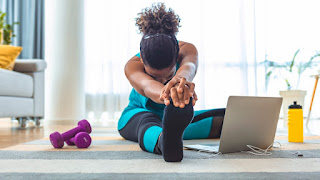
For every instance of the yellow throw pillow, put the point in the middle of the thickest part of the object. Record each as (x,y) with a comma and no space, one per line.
(8,54)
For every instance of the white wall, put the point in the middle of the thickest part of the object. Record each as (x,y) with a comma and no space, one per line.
(64,49)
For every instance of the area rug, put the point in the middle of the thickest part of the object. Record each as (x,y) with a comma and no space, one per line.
(112,157)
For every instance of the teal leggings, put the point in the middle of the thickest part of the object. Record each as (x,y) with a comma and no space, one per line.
(145,127)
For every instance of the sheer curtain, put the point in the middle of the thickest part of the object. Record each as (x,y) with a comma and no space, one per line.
(229,35)
(282,28)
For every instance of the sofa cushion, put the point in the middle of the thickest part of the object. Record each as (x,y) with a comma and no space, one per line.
(8,55)
(15,84)
(16,106)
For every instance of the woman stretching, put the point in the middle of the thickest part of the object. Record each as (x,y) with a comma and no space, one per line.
(160,111)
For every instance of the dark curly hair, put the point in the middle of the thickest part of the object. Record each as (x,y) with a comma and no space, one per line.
(158,47)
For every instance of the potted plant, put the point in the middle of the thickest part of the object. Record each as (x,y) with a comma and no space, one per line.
(6,30)
(291,73)
(2,15)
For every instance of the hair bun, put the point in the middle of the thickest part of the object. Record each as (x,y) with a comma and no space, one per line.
(158,19)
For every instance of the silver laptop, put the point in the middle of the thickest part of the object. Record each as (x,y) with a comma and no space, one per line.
(249,120)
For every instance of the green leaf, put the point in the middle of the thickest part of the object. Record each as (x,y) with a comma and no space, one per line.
(269,73)
(292,62)
(3,15)
(288,85)
(310,63)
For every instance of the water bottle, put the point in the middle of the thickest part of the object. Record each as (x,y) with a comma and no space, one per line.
(295,123)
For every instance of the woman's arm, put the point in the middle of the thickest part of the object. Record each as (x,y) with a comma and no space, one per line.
(188,58)
(141,82)
(148,87)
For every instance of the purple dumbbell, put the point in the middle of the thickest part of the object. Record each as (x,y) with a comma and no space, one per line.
(70,142)
(57,139)
(81,140)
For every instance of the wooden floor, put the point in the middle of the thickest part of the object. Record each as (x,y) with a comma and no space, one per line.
(11,134)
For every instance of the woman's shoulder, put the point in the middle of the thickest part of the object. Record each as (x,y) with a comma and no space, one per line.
(181,43)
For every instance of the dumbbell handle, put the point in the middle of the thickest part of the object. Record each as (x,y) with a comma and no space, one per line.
(72,132)
(72,140)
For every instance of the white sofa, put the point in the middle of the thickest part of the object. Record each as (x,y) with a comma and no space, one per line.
(22,91)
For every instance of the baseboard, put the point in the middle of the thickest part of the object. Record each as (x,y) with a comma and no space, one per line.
(60,122)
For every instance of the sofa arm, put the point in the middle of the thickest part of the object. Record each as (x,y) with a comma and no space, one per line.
(35,68)
(29,65)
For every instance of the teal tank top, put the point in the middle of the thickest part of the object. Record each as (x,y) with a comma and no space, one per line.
(137,100)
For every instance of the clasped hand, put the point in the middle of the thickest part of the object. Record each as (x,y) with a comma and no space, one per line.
(179,90)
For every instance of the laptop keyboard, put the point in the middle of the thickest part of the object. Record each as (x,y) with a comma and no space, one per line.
(205,148)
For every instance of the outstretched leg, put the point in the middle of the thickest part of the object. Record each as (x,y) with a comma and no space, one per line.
(144,128)
(205,124)
(174,122)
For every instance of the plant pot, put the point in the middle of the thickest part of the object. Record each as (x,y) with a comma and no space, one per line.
(288,98)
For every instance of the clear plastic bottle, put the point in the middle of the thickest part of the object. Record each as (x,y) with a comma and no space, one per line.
(295,123)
